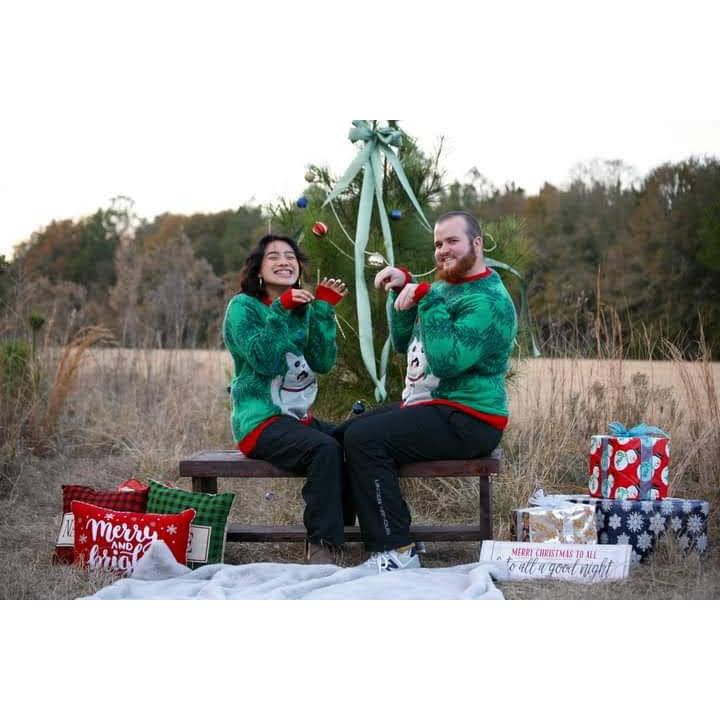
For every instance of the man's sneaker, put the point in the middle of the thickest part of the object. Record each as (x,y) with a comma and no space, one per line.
(390,560)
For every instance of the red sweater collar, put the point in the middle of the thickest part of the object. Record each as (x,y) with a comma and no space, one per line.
(477,276)
(264,299)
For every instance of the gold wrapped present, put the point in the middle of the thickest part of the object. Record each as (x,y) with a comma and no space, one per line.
(562,523)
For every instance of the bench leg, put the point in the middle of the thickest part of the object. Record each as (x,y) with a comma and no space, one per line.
(486,514)
(204,484)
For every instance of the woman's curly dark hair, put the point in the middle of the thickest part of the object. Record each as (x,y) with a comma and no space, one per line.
(249,275)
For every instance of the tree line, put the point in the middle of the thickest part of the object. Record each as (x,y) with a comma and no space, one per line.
(631,259)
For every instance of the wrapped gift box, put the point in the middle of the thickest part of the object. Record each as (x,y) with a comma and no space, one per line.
(629,464)
(641,522)
(564,523)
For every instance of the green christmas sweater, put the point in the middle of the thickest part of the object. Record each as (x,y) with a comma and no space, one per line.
(458,339)
(276,352)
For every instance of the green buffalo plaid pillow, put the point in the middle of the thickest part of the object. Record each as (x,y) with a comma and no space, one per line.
(207,532)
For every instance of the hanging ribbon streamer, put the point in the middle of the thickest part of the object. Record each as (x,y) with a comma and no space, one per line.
(377,142)
(524,305)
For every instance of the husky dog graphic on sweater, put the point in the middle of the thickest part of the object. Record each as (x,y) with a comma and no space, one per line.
(419,384)
(295,391)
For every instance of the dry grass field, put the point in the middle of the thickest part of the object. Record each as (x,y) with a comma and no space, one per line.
(138,412)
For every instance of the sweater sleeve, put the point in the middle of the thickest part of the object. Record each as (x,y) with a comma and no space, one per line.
(261,338)
(456,341)
(321,350)
(400,322)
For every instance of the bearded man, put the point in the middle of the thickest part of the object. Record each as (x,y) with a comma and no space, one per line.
(458,333)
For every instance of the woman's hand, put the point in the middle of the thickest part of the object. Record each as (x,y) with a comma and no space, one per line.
(336,285)
(300,296)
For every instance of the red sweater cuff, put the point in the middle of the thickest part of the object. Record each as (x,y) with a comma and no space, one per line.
(421,291)
(328,295)
(408,276)
(286,300)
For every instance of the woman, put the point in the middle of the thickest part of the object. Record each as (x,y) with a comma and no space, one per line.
(279,335)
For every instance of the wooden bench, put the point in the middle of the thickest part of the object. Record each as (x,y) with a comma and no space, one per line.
(206,467)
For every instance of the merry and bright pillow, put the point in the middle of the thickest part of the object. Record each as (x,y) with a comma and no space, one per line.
(116,540)
(208,530)
(129,501)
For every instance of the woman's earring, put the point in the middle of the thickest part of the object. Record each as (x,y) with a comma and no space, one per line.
(260,280)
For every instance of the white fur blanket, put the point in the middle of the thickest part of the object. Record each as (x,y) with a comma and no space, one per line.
(159,577)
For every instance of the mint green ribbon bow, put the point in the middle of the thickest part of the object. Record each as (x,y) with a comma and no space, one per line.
(617,429)
(377,142)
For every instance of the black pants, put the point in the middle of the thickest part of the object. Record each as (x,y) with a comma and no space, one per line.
(377,442)
(312,450)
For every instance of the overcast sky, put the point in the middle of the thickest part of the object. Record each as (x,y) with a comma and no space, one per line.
(198,107)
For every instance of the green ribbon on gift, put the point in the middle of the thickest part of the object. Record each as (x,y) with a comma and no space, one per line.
(377,142)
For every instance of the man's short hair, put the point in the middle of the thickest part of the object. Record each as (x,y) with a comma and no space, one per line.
(472,226)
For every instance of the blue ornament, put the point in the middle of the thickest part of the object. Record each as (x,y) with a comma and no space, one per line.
(302,202)
(395,214)
(358,407)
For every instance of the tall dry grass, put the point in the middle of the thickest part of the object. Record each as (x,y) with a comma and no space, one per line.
(138,412)
(71,359)
(107,414)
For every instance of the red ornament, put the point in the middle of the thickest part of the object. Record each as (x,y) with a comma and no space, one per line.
(320,229)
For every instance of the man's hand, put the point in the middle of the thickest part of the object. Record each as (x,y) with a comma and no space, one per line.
(336,285)
(406,298)
(389,278)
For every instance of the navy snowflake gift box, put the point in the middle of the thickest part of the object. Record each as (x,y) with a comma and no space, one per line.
(641,522)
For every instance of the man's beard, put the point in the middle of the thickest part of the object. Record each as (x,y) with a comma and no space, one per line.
(460,268)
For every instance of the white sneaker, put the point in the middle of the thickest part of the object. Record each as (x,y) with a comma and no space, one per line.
(393,560)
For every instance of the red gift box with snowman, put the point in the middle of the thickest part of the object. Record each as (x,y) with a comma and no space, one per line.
(630,463)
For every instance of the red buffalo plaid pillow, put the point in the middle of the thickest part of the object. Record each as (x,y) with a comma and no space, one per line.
(130,501)
(115,540)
